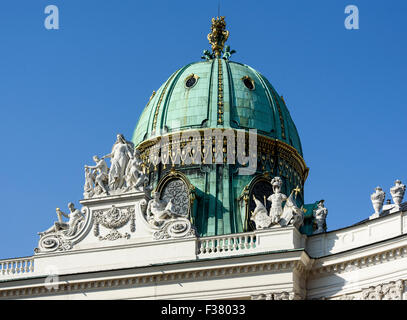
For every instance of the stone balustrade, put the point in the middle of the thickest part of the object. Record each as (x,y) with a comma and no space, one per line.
(16,267)
(226,243)
(89,259)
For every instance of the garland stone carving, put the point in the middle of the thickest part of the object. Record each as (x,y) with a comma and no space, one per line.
(390,291)
(113,219)
(126,173)
(291,214)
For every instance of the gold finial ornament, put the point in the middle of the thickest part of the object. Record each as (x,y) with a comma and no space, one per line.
(218,35)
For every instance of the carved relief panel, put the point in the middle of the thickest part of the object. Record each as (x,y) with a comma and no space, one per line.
(113,219)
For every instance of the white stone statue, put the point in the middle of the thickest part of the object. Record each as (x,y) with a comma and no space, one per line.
(122,152)
(276,200)
(159,210)
(397,193)
(320,214)
(68,228)
(135,176)
(89,183)
(102,171)
(291,213)
(165,222)
(260,216)
(377,201)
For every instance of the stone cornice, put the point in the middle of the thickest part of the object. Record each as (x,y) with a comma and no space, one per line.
(361,262)
(62,286)
(112,198)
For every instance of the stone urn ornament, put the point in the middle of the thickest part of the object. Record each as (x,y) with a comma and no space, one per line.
(377,201)
(397,193)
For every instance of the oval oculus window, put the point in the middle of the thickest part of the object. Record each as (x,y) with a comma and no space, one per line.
(248,82)
(191,81)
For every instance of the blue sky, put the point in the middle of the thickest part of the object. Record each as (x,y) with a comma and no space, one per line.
(64,94)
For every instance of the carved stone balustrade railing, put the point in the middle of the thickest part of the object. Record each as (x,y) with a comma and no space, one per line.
(226,243)
(16,267)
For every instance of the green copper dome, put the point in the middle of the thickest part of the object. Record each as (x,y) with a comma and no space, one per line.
(217,93)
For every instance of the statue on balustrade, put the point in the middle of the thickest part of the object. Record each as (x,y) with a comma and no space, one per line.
(276,199)
(320,214)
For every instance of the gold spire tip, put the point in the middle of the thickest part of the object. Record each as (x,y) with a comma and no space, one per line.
(218,35)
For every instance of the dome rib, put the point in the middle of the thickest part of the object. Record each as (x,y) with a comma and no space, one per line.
(169,95)
(162,95)
(232,98)
(292,137)
(270,99)
(208,109)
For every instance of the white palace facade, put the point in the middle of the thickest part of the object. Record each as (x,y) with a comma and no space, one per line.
(173,217)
